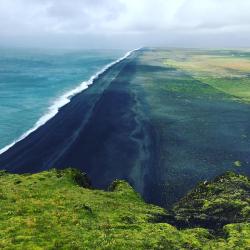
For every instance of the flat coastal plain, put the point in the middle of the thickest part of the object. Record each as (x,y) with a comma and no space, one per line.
(162,119)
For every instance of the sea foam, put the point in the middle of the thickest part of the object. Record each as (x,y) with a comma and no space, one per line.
(63,100)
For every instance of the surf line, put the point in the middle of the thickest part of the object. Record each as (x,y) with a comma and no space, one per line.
(65,99)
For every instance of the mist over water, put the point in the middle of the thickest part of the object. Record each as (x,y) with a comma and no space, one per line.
(32,81)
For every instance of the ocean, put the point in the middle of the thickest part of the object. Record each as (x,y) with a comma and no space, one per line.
(35,83)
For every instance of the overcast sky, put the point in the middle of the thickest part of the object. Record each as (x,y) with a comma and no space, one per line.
(125,23)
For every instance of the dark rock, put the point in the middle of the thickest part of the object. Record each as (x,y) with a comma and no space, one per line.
(76,175)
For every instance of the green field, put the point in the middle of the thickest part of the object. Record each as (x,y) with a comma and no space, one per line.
(225,70)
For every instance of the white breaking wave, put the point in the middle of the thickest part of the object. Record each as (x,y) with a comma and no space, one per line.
(64,99)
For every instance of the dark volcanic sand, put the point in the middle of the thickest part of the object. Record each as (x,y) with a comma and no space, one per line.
(130,125)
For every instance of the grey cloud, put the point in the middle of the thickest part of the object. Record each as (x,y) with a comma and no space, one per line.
(124,23)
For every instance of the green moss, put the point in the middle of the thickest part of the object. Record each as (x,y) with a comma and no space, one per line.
(214,204)
(58,210)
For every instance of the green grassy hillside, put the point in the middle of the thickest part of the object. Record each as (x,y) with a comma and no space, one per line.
(59,210)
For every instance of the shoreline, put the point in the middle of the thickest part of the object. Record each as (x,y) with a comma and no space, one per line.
(64,100)
(17,158)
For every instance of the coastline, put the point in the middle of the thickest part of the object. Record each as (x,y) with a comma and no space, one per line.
(64,100)
(144,122)
(17,158)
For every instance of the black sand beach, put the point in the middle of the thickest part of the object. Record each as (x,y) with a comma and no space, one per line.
(131,124)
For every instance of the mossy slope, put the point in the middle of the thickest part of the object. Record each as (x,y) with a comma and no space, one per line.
(214,204)
(57,210)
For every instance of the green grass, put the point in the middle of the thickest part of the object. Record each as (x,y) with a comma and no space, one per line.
(58,210)
(226,71)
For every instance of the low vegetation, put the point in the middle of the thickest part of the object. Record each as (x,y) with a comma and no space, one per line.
(57,209)
(225,70)
(215,204)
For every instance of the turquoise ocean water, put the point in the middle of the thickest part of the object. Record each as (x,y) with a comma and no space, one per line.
(34,83)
